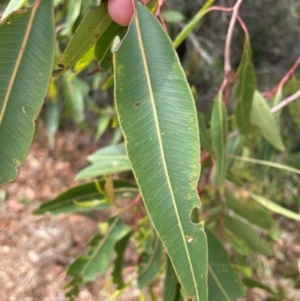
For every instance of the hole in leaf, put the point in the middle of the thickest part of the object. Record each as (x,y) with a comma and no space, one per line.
(137,104)
(195,215)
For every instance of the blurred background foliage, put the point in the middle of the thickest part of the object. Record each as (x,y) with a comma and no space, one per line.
(85,99)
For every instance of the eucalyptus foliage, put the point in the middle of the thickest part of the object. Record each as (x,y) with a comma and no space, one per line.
(176,237)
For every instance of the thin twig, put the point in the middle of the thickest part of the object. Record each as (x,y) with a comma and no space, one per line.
(285,102)
(206,180)
(283,81)
(227,65)
(274,110)
(228,74)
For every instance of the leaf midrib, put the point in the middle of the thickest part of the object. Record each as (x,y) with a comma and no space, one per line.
(219,285)
(149,84)
(103,241)
(19,59)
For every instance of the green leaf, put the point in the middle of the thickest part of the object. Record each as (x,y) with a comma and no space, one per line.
(251,283)
(83,63)
(266,163)
(52,119)
(245,88)
(150,264)
(294,107)
(111,152)
(104,167)
(223,282)
(103,45)
(265,153)
(219,139)
(75,91)
(102,126)
(158,118)
(96,261)
(254,215)
(234,147)
(262,117)
(274,207)
(193,23)
(173,16)
(27,53)
(120,248)
(265,150)
(92,27)
(204,140)
(86,197)
(72,13)
(246,233)
(171,284)
(12,6)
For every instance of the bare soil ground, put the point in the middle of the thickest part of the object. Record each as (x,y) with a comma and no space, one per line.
(36,250)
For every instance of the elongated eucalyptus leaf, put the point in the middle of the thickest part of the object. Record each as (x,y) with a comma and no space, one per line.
(246,233)
(234,147)
(12,6)
(92,27)
(265,163)
(294,107)
(193,23)
(245,88)
(96,261)
(252,283)
(266,151)
(171,284)
(223,282)
(104,167)
(26,52)
(204,139)
(120,248)
(105,161)
(150,264)
(258,216)
(86,197)
(275,207)
(158,117)
(262,117)
(73,12)
(219,139)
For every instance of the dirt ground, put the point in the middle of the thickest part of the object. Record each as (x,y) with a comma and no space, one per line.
(36,250)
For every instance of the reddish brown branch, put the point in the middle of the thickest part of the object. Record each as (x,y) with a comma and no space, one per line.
(206,180)
(279,86)
(133,203)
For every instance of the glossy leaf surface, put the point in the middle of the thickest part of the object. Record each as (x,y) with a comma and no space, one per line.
(262,117)
(223,281)
(219,139)
(26,52)
(158,117)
